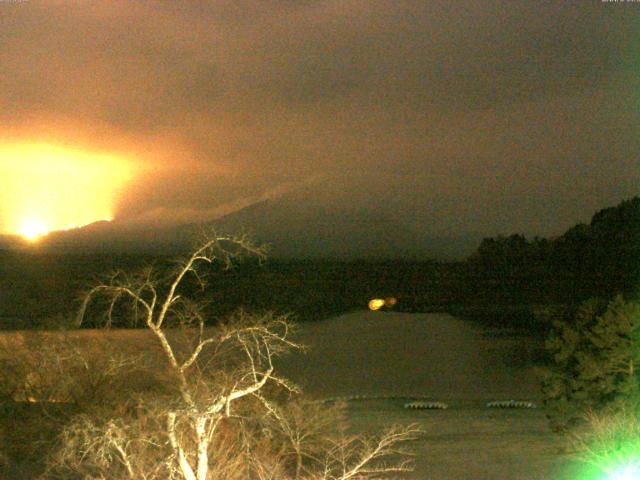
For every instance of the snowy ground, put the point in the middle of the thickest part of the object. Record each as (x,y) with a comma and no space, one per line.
(446,359)
(387,353)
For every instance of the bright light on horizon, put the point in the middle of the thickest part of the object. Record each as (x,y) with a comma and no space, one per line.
(49,188)
(32,230)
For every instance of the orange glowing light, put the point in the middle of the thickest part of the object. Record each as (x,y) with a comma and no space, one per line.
(376,304)
(32,229)
(47,188)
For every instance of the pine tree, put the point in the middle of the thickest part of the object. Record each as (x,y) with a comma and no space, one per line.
(595,360)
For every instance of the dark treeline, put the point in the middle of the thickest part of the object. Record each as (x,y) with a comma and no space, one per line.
(38,289)
(508,279)
(529,283)
(599,259)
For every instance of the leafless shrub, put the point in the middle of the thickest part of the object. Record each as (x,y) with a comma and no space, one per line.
(609,441)
(57,368)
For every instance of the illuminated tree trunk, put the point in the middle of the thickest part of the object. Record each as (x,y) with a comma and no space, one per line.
(203,447)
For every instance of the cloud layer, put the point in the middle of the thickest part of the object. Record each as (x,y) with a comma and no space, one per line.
(475,115)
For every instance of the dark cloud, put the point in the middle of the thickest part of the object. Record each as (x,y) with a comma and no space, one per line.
(503,115)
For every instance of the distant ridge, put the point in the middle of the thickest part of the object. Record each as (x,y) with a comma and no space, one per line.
(324,219)
(301,232)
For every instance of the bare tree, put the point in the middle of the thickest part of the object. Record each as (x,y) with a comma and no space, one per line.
(219,414)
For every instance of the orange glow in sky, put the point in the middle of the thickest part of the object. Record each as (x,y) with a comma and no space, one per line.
(47,188)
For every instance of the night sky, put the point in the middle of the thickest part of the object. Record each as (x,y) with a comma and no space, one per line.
(461,117)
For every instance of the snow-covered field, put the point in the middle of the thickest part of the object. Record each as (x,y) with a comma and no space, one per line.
(388,353)
(447,359)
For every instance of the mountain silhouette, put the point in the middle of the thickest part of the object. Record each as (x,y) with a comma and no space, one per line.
(297,224)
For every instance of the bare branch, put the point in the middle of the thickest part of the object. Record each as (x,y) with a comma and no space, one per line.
(194,356)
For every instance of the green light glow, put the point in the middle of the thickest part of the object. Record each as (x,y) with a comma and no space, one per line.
(628,472)
(608,445)
(614,467)
(612,471)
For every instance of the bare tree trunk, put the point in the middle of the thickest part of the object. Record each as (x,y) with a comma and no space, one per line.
(184,385)
(203,447)
(185,467)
